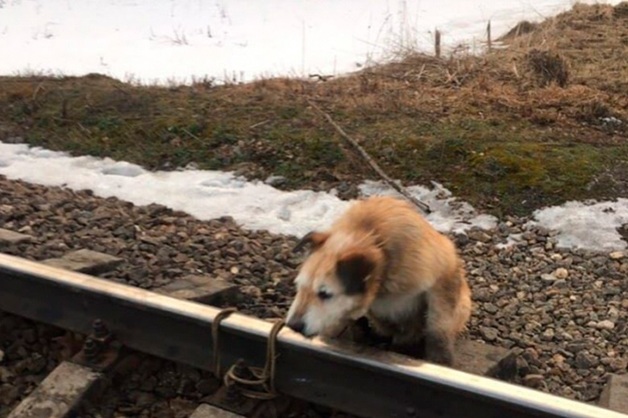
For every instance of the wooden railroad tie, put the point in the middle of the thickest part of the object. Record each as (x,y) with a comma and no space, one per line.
(60,393)
(209,411)
(615,393)
(201,289)
(85,261)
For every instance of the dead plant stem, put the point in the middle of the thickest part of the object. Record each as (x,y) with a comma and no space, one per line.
(423,206)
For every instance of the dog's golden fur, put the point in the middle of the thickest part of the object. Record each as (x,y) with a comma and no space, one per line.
(383,260)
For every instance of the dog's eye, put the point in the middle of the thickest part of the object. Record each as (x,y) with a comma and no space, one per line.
(324,294)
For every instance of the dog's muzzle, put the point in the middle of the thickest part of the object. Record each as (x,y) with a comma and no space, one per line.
(297,325)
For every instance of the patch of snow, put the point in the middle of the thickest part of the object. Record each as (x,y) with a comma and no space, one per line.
(275,180)
(238,40)
(258,206)
(586,225)
(212,194)
(448,213)
(611,120)
(124,169)
(512,239)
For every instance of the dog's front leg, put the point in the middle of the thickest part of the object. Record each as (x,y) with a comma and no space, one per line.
(440,332)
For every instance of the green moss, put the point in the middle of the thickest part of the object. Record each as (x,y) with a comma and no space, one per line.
(514,162)
(515,165)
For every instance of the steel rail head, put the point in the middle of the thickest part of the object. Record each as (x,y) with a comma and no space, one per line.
(358,380)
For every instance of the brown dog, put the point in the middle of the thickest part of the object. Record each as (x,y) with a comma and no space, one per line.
(383,260)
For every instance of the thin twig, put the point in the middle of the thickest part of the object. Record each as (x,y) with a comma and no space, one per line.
(418,77)
(258,124)
(122,90)
(424,207)
(452,77)
(185,131)
(84,129)
(514,69)
(40,87)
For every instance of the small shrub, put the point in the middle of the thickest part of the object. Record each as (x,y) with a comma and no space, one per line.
(548,67)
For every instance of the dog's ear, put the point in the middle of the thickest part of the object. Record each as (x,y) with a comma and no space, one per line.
(314,238)
(354,268)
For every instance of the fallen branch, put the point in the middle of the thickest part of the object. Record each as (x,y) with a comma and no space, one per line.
(424,207)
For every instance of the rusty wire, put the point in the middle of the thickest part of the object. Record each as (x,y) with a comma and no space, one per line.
(215,327)
(264,377)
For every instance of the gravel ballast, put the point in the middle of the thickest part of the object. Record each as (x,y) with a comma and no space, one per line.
(563,311)
(28,352)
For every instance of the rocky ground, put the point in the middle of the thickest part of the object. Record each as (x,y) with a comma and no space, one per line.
(564,310)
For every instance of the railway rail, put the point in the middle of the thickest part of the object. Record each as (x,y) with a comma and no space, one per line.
(358,380)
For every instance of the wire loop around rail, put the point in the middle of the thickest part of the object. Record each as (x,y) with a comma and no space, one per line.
(215,328)
(264,377)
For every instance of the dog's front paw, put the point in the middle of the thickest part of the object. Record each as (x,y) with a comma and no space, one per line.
(439,350)
(444,358)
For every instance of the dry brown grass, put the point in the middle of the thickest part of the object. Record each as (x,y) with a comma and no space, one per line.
(553,72)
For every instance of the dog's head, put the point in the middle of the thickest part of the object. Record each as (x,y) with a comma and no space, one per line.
(336,283)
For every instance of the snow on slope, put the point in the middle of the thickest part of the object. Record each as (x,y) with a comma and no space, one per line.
(177,40)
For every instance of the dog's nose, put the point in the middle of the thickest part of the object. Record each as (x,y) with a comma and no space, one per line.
(296,325)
